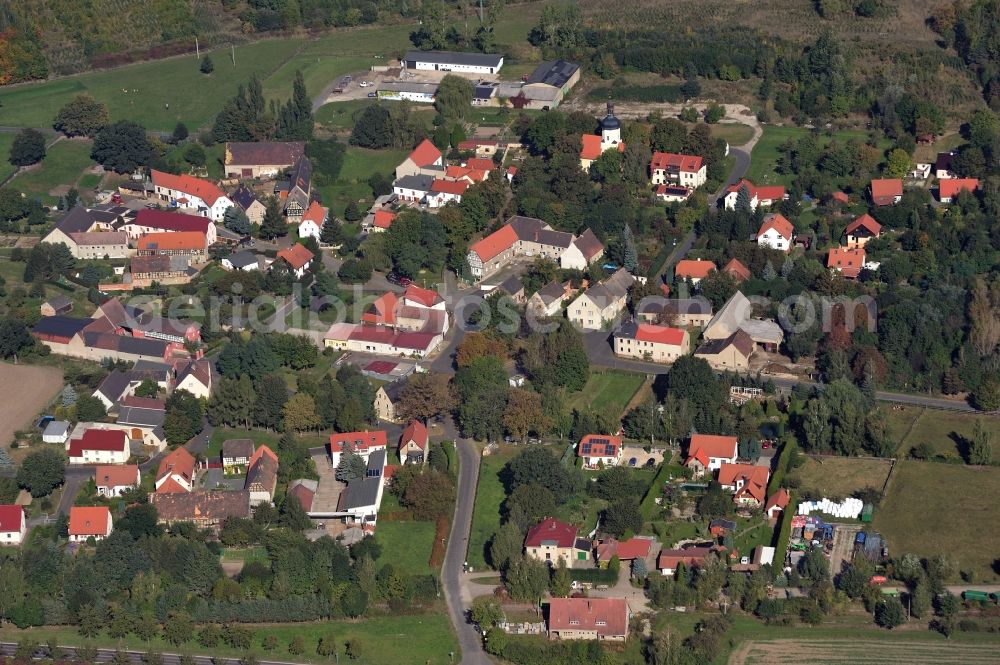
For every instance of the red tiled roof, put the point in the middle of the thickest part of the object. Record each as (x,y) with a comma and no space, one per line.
(590,146)
(10,518)
(416,341)
(117,475)
(297,256)
(99,439)
(648,332)
(384,218)
(950,187)
(496,243)
(672,160)
(459,172)
(840,197)
(376,334)
(865,221)
(480,164)
(737,270)
(605,616)
(170,486)
(636,547)
(693,268)
(169,241)
(777,222)
(425,154)
(713,445)
(415,432)
(848,261)
(779,499)
(207,191)
(449,186)
(315,213)
(303,494)
(426,297)
(551,531)
(692,556)
(766,193)
(885,188)
(383,310)
(599,445)
(171,221)
(260,452)
(359,440)
(754,477)
(381,366)
(177,462)
(89,520)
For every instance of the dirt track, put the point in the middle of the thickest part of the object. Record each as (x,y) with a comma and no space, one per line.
(24,391)
(870,652)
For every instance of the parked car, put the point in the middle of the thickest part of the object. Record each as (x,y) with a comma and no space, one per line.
(650,463)
(393,278)
(405,281)
(373,94)
(632,461)
(364,84)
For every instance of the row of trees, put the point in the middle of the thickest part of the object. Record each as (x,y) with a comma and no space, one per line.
(246,117)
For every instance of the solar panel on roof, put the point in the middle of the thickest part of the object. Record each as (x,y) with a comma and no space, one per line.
(586,449)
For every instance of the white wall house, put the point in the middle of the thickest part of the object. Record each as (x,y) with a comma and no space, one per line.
(99,446)
(191,193)
(447,61)
(776,232)
(685,170)
(13,525)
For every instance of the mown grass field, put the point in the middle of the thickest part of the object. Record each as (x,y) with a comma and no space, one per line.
(64,164)
(489,495)
(400,639)
(839,476)
(766,153)
(608,389)
(734,133)
(944,431)
(352,185)
(406,545)
(933,508)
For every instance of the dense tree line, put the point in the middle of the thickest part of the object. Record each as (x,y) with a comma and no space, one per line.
(247,117)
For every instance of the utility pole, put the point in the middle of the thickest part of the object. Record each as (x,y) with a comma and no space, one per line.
(233,47)
(197,49)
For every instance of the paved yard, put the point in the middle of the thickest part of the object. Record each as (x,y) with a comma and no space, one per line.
(641,456)
(214,479)
(329,489)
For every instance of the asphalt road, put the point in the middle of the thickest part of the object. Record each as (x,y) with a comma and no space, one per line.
(454,558)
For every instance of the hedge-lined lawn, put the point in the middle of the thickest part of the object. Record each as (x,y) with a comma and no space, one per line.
(489,495)
(944,431)
(352,185)
(608,389)
(64,164)
(400,639)
(406,545)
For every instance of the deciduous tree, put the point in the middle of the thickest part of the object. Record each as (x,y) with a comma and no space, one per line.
(81,116)
(28,148)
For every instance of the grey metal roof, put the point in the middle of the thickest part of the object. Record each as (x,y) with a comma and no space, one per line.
(114,385)
(242,259)
(554,72)
(56,428)
(376,462)
(59,302)
(140,417)
(419,182)
(551,292)
(455,58)
(512,285)
(394,389)
(60,326)
(360,493)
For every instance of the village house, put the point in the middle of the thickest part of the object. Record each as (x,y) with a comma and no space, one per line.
(297,191)
(708,452)
(672,193)
(176,472)
(776,232)
(601,619)
(381,221)
(149,220)
(861,230)
(91,234)
(776,504)
(382,340)
(262,476)
(551,81)
(512,287)
(748,482)
(453,61)
(99,245)
(304,491)
(445,191)
(942,166)
(144,270)
(759,196)
(297,258)
(265,159)
(56,306)
(949,189)
(205,509)
(681,312)
(358,504)
(847,262)
(887,191)
(313,220)
(99,446)
(425,159)
(188,244)
(729,354)
(87,522)
(693,270)
(247,201)
(737,270)
(113,480)
(526,236)
(413,443)
(387,400)
(196,378)
(413,188)
(236,454)
(646,341)
(669,559)
(737,314)
(601,304)
(548,300)
(636,547)
(13,524)
(244,261)
(113,387)
(599,451)
(551,540)
(57,431)
(688,171)
(188,192)
(361,443)
(593,146)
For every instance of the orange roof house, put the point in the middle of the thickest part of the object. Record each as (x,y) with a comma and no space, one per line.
(776,503)
(886,191)
(776,232)
(425,154)
(456,187)
(861,230)
(749,482)
(89,522)
(382,312)
(590,147)
(155,243)
(176,472)
(739,271)
(384,219)
(709,451)
(602,619)
(693,269)
(648,332)
(848,262)
(496,243)
(110,479)
(207,191)
(949,188)
(296,256)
